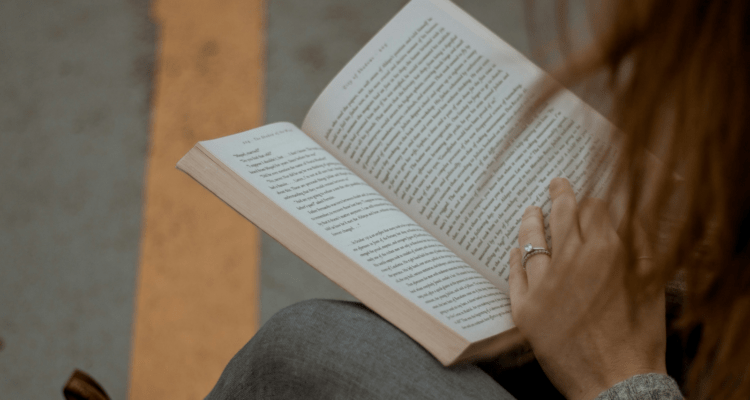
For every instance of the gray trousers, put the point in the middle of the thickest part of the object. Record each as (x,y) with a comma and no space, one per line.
(324,349)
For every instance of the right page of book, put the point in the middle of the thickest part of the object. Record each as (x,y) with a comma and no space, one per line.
(421,113)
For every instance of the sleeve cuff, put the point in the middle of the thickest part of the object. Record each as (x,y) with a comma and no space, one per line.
(643,387)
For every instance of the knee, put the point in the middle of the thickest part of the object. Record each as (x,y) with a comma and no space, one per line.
(312,314)
(295,350)
(314,325)
(305,331)
(332,335)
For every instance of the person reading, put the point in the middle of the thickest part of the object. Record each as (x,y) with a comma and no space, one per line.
(591,301)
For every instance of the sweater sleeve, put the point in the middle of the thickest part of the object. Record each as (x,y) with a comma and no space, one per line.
(643,387)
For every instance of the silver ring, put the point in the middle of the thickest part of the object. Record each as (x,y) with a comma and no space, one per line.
(531,251)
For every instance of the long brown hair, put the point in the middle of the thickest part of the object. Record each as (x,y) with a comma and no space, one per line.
(679,75)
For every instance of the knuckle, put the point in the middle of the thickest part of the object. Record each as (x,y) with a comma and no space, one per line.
(565,202)
(529,236)
(592,202)
(605,245)
(613,239)
(531,213)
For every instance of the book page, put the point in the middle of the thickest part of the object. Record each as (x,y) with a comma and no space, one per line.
(296,173)
(420,114)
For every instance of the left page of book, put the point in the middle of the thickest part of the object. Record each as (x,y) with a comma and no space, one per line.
(296,173)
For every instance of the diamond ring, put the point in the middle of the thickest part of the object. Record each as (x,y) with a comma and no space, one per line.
(531,251)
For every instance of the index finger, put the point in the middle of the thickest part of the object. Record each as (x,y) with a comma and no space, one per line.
(563,218)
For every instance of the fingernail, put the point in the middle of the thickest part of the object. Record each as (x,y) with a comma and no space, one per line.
(531,209)
(558,181)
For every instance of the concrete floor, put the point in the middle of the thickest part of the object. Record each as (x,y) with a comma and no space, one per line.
(75,80)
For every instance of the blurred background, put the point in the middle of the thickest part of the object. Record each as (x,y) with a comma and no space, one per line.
(111,260)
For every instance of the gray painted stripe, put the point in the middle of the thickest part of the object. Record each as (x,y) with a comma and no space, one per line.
(75,78)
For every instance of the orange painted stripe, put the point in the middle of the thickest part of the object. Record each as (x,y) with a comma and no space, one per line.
(198,285)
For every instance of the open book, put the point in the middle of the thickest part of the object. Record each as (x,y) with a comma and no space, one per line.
(380,188)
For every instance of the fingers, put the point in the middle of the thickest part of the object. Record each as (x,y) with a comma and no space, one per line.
(643,250)
(532,231)
(642,244)
(593,219)
(517,279)
(563,216)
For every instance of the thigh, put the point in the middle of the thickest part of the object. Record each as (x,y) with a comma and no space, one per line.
(341,350)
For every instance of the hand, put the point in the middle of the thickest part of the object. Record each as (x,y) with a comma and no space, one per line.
(574,307)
